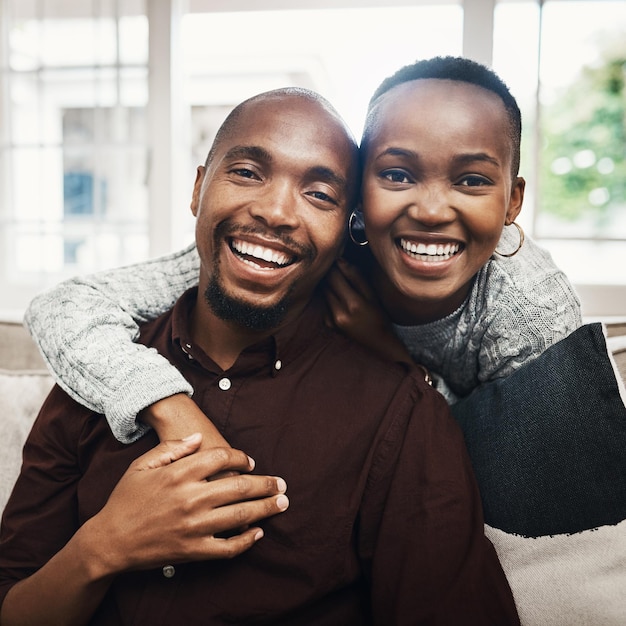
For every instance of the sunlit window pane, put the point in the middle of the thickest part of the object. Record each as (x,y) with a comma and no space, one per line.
(74,150)
(575,162)
(583,99)
(342,53)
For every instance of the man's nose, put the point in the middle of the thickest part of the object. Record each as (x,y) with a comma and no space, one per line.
(278,206)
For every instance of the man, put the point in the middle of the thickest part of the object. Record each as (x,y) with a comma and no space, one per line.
(384,527)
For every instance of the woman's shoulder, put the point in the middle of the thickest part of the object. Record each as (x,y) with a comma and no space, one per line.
(529,279)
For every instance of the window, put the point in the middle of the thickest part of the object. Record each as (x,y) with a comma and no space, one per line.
(566,63)
(95,174)
(73,151)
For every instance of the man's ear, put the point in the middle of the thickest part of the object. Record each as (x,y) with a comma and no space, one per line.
(197,189)
(516,200)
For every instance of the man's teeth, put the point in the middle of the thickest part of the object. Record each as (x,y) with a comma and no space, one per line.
(431,251)
(259,252)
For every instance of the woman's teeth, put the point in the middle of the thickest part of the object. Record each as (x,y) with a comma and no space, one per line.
(430,251)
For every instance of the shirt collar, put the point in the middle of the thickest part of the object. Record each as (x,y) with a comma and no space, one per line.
(275,352)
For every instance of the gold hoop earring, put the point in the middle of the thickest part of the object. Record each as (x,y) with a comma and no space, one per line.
(350,222)
(521,242)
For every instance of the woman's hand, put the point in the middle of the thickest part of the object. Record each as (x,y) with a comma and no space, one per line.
(356,311)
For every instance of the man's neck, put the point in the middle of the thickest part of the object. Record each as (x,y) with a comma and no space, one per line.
(222,340)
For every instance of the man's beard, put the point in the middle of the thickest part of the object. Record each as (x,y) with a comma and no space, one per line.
(244,313)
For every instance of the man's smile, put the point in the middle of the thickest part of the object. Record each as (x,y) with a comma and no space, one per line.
(262,257)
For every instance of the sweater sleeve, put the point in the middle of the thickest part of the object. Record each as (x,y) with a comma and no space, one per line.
(85,329)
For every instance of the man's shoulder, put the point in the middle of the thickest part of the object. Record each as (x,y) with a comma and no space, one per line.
(158,333)
(341,347)
(356,360)
(61,419)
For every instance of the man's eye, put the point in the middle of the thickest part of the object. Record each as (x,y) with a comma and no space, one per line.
(396,176)
(324,197)
(244,172)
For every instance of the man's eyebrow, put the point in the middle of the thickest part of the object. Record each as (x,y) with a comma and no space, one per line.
(326,174)
(248,152)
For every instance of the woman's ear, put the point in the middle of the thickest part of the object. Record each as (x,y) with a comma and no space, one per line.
(516,200)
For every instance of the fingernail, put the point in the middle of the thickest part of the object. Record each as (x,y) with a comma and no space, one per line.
(281,485)
(282,502)
(259,535)
(252,463)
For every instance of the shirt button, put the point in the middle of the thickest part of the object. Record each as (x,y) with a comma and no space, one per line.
(224,384)
(278,365)
(169,571)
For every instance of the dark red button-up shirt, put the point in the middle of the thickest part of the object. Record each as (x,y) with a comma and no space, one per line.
(384,524)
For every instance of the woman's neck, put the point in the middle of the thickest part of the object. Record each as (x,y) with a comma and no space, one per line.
(410,311)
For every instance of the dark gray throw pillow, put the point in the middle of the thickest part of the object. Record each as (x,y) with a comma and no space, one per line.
(548,445)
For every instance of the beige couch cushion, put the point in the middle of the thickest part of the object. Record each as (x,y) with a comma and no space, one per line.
(17,349)
(21,396)
(24,385)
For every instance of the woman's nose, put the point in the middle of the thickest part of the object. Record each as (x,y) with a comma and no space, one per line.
(430,205)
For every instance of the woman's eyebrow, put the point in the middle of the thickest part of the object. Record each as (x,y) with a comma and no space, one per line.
(476,156)
(399,152)
(461,159)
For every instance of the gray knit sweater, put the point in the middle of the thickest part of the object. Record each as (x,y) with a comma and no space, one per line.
(84,328)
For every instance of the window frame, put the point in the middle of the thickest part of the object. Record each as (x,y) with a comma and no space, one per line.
(169,144)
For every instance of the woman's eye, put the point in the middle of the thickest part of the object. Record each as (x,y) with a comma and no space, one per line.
(474,181)
(396,176)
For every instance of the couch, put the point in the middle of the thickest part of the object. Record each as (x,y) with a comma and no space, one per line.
(591,564)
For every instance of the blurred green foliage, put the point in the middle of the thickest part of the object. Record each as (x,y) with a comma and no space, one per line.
(583,168)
